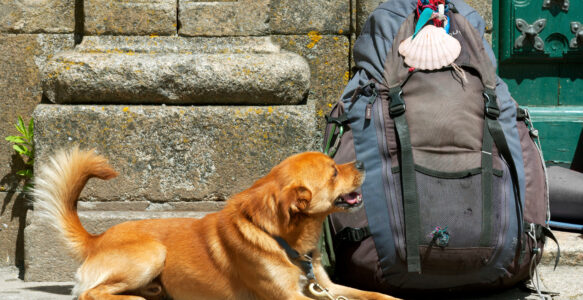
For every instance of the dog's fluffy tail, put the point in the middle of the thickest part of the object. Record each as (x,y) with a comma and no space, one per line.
(57,186)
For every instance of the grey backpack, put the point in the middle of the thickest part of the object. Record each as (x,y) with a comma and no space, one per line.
(455,194)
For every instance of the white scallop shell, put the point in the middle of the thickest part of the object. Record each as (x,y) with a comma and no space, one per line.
(431,49)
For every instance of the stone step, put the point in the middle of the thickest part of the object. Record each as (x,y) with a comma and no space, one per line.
(177,153)
(173,70)
(48,260)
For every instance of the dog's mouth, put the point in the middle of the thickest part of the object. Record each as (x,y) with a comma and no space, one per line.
(349,200)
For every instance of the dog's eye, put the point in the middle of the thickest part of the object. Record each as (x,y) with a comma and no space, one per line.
(335,172)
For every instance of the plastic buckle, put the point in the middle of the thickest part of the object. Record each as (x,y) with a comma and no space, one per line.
(397,106)
(368,90)
(521,114)
(491,107)
(350,234)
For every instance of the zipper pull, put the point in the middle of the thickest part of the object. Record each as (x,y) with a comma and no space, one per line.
(368,111)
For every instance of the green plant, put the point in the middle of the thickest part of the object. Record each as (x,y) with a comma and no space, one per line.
(24,146)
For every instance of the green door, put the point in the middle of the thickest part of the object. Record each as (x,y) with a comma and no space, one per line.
(539,45)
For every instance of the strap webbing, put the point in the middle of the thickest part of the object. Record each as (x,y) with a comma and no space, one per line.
(408,181)
(500,140)
(487,173)
(326,246)
(548,233)
(292,254)
(490,112)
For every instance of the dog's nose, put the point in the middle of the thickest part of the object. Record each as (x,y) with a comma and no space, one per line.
(359,165)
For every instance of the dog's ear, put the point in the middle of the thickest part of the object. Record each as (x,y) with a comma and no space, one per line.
(294,199)
(301,198)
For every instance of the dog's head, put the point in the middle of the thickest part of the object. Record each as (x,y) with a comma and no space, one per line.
(315,185)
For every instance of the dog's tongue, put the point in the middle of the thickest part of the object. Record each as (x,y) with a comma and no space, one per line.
(351,198)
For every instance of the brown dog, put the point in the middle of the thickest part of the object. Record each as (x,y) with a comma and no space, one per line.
(236,253)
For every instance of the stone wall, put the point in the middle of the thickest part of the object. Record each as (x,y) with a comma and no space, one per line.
(191,100)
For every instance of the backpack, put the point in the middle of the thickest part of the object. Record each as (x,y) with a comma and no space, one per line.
(455,194)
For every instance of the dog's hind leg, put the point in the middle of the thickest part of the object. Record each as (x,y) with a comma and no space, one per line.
(121,267)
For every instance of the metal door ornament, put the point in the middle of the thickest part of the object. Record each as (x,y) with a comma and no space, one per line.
(577,29)
(564,6)
(529,32)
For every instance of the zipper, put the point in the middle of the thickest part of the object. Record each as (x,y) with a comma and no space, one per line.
(388,177)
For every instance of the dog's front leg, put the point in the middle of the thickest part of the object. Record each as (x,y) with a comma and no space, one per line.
(283,285)
(340,290)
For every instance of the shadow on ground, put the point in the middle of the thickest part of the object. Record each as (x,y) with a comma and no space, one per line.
(52,289)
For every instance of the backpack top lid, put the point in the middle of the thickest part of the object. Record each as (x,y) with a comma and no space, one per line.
(376,39)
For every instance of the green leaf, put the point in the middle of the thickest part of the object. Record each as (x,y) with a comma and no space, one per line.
(20,149)
(30,129)
(27,187)
(20,126)
(15,139)
(26,173)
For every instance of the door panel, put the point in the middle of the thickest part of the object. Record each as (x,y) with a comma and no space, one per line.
(539,45)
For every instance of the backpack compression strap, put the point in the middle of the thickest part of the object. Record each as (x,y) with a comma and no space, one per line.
(491,111)
(408,180)
(395,74)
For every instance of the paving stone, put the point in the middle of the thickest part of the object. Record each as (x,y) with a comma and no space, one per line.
(303,16)
(47,259)
(22,56)
(158,71)
(130,17)
(236,18)
(38,16)
(13,288)
(565,280)
(327,56)
(170,153)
